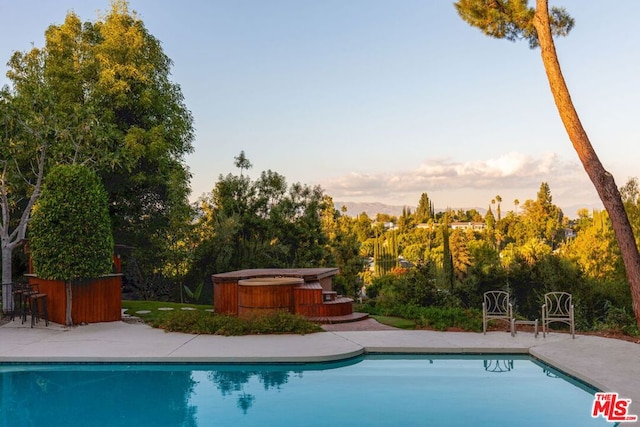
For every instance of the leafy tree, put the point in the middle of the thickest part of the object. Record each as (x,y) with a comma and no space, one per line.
(490,219)
(383,217)
(116,109)
(490,222)
(513,20)
(23,153)
(631,197)
(242,163)
(363,227)
(385,253)
(260,223)
(542,219)
(425,210)
(460,253)
(70,230)
(447,257)
(595,251)
(406,220)
(344,249)
(484,255)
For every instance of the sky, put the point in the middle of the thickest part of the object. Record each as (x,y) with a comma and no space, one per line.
(381,101)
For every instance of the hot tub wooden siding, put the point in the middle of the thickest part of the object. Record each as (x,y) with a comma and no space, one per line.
(312,296)
(225,297)
(262,295)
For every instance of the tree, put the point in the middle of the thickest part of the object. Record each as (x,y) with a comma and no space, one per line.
(513,19)
(70,231)
(490,220)
(542,219)
(344,248)
(498,211)
(406,220)
(631,197)
(460,254)
(363,227)
(28,119)
(425,211)
(594,249)
(115,108)
(447,257)
(245,223)
(242,163)
(385,254)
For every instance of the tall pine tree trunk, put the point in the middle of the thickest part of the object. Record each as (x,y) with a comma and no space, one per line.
(602,180)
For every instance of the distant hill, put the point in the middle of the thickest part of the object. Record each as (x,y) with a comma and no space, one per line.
(373,208)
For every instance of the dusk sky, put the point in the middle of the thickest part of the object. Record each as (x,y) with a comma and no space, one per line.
(380,101)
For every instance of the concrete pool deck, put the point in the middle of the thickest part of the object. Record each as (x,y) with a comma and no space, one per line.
(608,364)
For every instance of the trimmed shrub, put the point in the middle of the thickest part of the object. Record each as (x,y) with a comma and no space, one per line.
(201,322)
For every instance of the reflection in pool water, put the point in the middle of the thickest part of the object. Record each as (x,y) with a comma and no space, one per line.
(372,391)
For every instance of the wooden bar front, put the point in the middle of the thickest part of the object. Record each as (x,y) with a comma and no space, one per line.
(98,300)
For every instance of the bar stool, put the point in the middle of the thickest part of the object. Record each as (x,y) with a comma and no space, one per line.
(20,292)
(38,301)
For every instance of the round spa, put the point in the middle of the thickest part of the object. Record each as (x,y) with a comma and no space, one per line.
(266,294)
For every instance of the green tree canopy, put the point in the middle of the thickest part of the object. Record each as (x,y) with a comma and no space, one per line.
(245,223)
(117,110)
(70,231)
(424,211)
(511,19)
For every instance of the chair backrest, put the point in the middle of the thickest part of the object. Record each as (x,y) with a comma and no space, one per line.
(558,305)
(496,303)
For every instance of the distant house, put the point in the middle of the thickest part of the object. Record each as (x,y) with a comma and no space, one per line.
(569,233)
(387,225)
(428,225)
(476,226)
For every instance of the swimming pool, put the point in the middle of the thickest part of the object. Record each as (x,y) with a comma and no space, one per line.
(387,390)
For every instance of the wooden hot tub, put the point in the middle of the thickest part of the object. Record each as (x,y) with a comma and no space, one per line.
(304,291)
(260,295)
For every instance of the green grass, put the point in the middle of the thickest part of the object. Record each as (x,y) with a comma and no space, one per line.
(156,315)
(396,322)
(438,318)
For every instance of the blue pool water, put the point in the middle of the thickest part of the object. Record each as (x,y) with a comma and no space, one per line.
(366,391)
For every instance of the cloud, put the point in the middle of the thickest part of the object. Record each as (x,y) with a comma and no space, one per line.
(476,181)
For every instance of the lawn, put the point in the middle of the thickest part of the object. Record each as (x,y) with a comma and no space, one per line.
(153,307)
(396,322)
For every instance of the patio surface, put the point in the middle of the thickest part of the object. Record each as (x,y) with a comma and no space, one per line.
(608,364)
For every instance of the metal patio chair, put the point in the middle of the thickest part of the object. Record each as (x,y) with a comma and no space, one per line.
(558,307)
(497,305)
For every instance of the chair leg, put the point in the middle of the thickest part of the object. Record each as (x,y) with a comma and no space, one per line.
(39,309)
(17,304)
(34,310)
(45,311)
(26,307)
